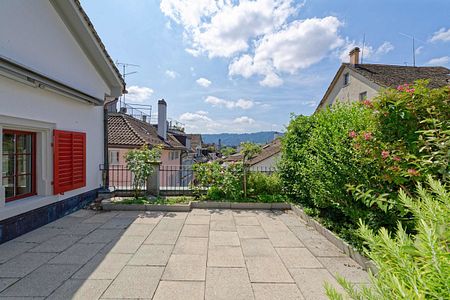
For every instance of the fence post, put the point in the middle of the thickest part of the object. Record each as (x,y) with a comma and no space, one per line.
(153,180)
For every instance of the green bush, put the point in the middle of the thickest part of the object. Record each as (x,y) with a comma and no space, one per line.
(260,183)
(348,162)
(409,267)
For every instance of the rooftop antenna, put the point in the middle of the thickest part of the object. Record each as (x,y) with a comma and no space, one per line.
(124,75)
(362,52)
(413,46)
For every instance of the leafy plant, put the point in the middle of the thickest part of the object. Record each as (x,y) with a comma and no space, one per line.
(409,266)
(248,150)
(139,162)
(226,151)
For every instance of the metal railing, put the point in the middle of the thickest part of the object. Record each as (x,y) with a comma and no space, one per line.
(176,178)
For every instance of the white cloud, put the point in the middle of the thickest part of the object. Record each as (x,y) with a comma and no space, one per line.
(171,74)
(241,103)
(194,117)
(419,50)
(203,82)
(169,25)
(297,46)
(138,93)
(243,120)
(369,51)
(441,35)
(439,61)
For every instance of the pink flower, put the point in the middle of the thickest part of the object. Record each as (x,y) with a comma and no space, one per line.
(396,158)
(368,103)
(413,172)
(384,154)
(367,136)
(352,134)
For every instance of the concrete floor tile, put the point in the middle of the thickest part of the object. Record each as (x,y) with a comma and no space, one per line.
(11,249)
(135,282)
(77,289)
(311,282)
(228,283)
(101,217)
(246,221)
(305,234)
(323,247)
(267,269)
(151,255)
(284,239)
(191,245)
(139,229)
(258,247)
(41,282)
(82,228)
(198,219)
(273,225)
(117,223)
(345,267)
(149,217)
(83,213)
(128,244)
(176,215)
(78,254)
(56,244)
(225,256)
(195,230)
(180,290)
(103,266)
(168,224)
(298,258)
(244,213)
(6,282)
(64,223)
(102,236)
(276,291)
(290,219)
(251,232)
(40,235)
(24,264)
(223,225)
(161,237)
(185,267)
(223,238)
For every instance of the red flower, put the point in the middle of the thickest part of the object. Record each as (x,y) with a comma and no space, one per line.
(352,134)
(384,154)
(368,103)
(367,136)
(413,172)
(396,158)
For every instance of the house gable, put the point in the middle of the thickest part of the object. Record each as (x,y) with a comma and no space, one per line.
(46,45)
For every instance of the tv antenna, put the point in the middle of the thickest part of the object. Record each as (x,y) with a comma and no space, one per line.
(124,75)
(363,45)
(413,39)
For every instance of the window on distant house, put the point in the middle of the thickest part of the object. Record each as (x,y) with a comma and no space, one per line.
(346,78)
(114,157)
(174,155)
(362,96)
(19,164)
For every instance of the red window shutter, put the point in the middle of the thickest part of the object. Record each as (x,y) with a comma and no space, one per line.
(69,161)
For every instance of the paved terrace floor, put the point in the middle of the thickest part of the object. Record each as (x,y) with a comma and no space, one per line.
(204,254)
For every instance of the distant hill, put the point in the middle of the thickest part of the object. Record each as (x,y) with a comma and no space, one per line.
(234,139)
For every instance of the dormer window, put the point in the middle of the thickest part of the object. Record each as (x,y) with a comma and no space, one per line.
(346,78)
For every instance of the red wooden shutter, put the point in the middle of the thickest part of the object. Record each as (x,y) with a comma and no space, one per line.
(69,161)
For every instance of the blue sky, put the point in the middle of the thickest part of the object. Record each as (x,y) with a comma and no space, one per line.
(245,66)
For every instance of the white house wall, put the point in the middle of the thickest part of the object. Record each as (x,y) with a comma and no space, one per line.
(32,34)
(270,162)
(350,92)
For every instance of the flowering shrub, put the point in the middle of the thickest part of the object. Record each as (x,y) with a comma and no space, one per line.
(348,162)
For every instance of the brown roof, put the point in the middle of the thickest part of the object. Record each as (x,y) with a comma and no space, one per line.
(393,76)
(267,151)
(99,40)
(124,130)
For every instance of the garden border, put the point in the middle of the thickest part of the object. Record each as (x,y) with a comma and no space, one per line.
(349,250)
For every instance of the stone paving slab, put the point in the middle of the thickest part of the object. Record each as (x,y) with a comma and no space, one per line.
(203,254)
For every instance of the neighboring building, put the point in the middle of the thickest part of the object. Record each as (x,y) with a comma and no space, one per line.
(199,152)
(268,158)
(357,82)
(55,76)
(126,132)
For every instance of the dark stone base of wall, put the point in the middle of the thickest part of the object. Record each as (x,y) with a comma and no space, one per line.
(21,224)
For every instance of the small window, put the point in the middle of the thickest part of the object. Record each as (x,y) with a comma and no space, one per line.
(114,157)
(19,164)
(362,96)
(346,78)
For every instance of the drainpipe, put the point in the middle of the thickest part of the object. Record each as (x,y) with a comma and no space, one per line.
(105,149)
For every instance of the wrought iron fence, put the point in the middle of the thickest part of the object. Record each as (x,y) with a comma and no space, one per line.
(171,178)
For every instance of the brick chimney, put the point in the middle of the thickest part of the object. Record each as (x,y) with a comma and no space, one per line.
(162,119)
(354,56)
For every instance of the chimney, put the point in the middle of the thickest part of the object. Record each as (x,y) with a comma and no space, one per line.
(144,118)
(162,119)
(354,56)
